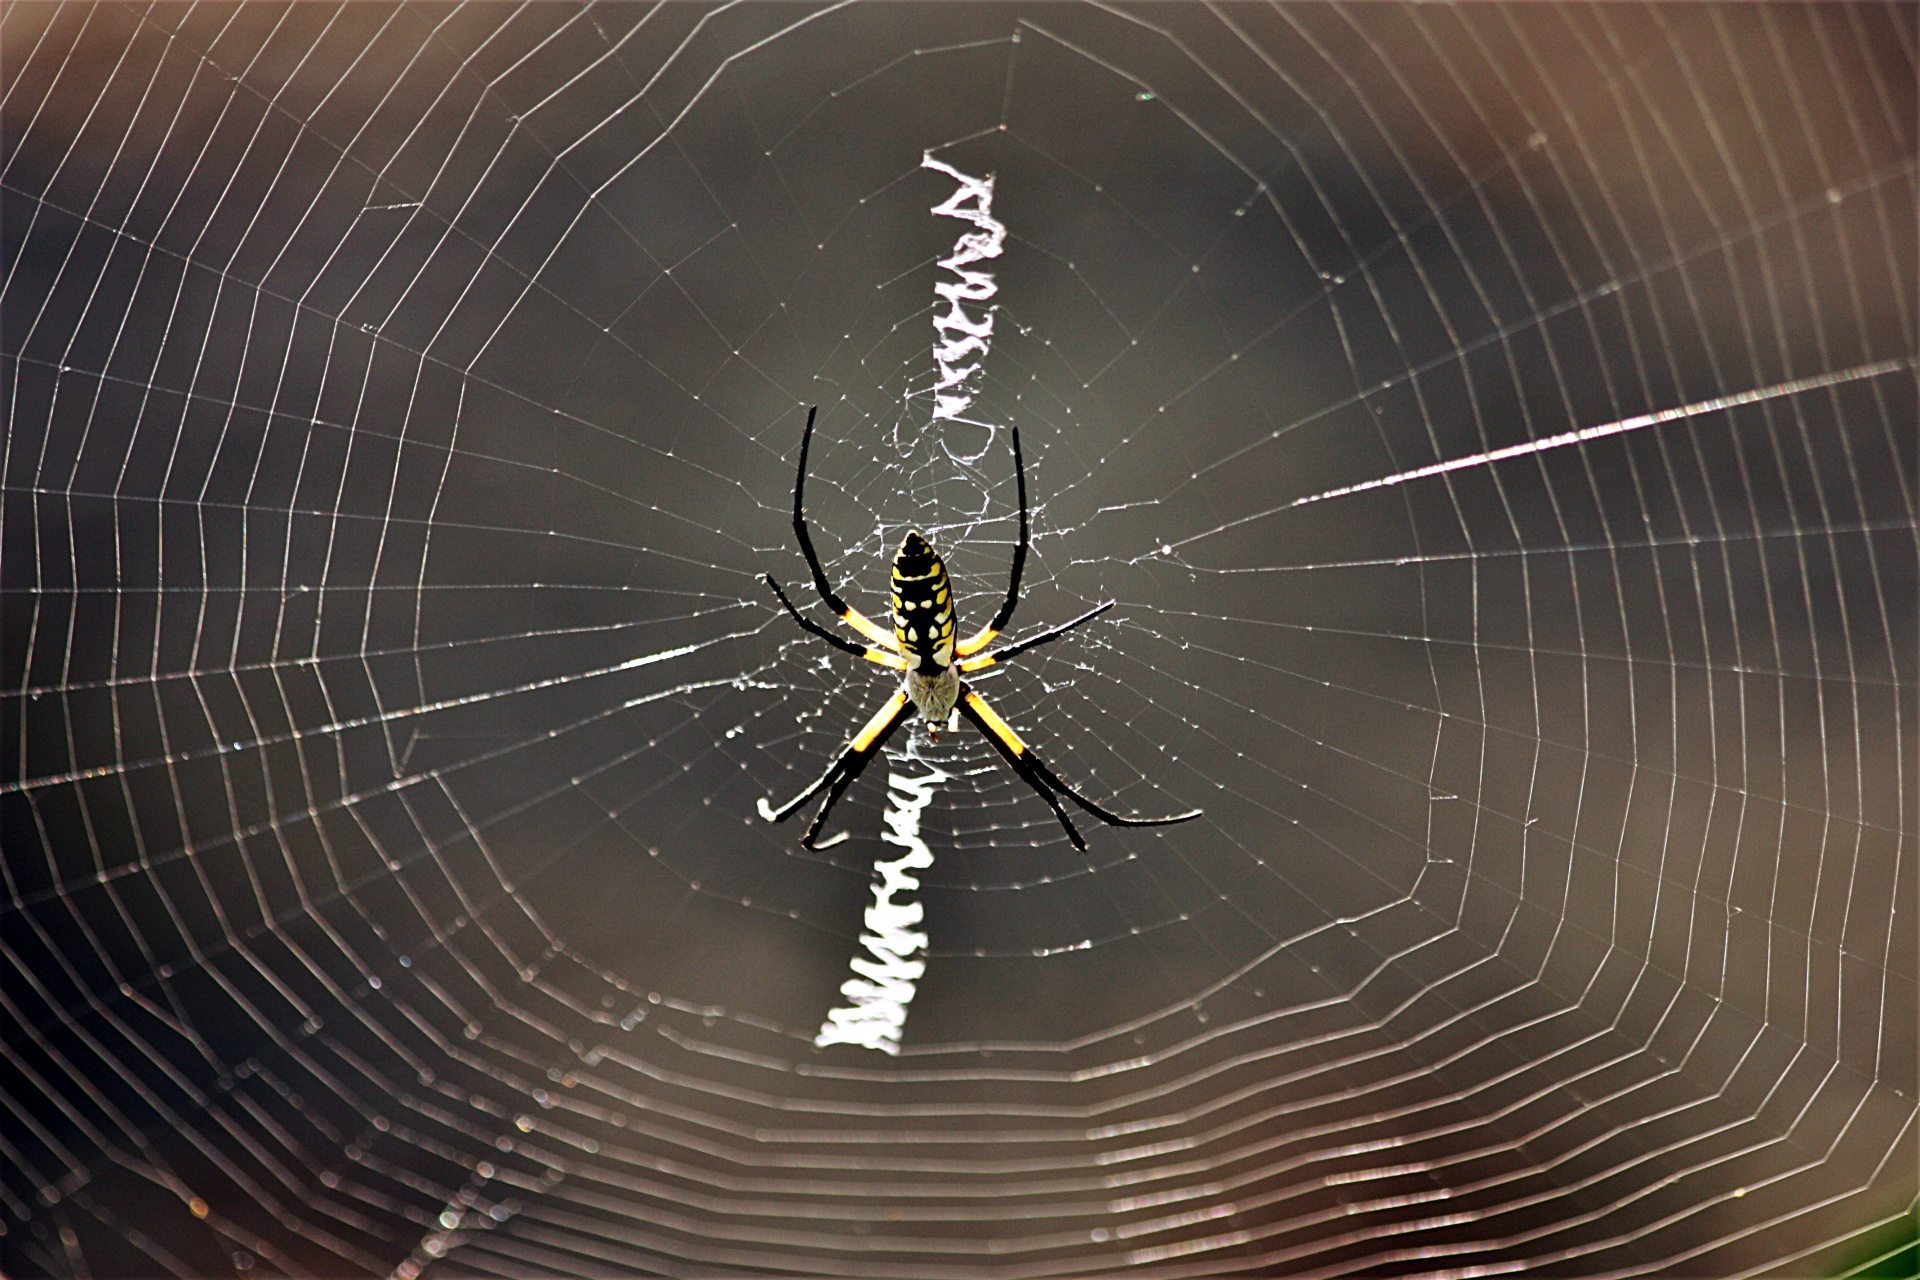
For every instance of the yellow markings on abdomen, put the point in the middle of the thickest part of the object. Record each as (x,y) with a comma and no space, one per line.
(923,608)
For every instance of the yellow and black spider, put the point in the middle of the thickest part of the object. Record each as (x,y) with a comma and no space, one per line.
(922,646)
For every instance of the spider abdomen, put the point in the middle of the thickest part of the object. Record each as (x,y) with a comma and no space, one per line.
(922,606)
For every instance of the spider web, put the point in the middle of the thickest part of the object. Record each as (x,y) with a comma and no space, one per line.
(1495,426)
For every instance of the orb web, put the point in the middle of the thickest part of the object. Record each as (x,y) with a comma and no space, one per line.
(1494,425)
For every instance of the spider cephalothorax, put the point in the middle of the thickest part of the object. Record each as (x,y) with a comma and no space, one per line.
(922,647)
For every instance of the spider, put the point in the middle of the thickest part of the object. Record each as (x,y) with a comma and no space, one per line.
(922,646)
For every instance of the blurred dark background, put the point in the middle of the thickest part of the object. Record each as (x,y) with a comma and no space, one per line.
(402,406)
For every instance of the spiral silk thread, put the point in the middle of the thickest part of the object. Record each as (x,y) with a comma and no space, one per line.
(964,340)
(886,977)
(885,983)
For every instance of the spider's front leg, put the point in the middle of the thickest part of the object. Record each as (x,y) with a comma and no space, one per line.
(883,657)
(831,598)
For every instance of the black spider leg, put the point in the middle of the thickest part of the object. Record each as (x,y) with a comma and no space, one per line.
(1107,816)
(985,635)
(841,773)
(820,583)
(1005,615)
(814,628)
(1019,647)
(1042,779)
(881,640)
(1019,759)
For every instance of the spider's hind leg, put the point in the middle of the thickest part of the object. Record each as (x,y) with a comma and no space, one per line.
(1018,758)
(1042,779)
(841,773)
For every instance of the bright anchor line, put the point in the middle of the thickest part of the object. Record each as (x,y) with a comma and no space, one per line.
(1773,391)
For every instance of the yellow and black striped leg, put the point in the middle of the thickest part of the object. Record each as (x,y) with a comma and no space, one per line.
(1019,647)
(871,654)
(848,614)
(1017,756)
(813,628)
(1042,779)
(840,775)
